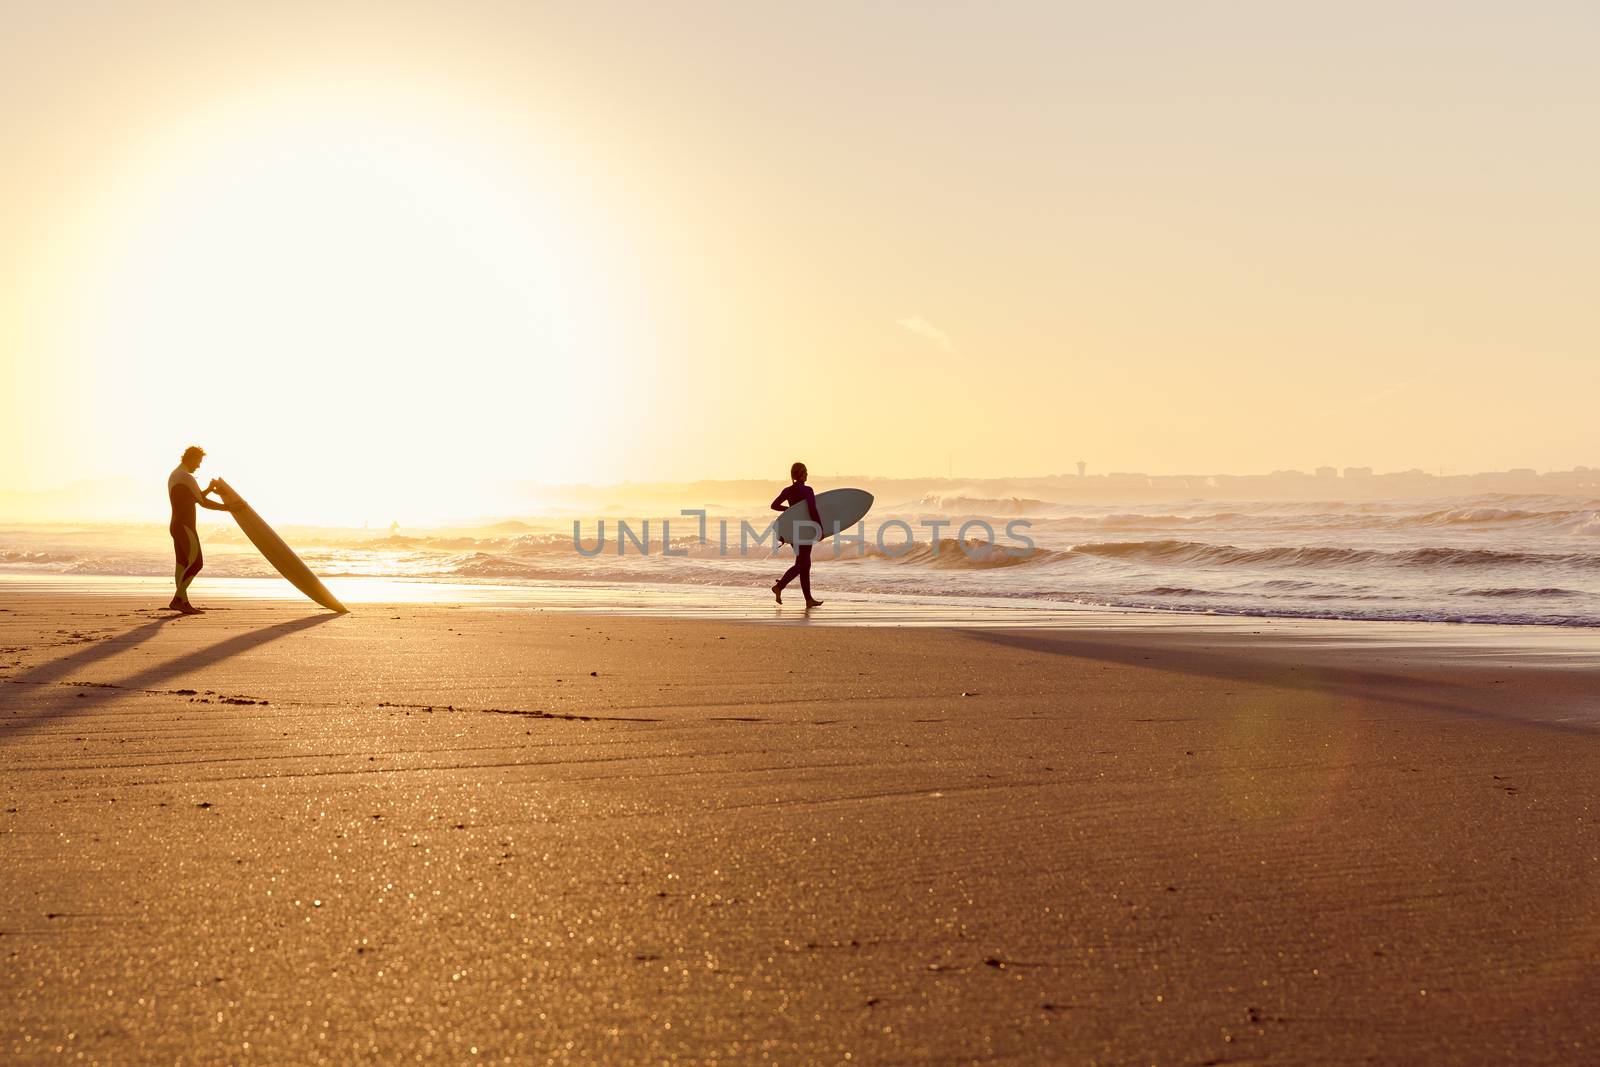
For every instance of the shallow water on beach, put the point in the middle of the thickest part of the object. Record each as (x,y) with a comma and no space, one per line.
(1484,643)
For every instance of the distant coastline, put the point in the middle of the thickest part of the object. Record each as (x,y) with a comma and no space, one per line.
(126,499)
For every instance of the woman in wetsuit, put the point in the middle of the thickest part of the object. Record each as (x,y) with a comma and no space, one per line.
(795,493)
(184,493)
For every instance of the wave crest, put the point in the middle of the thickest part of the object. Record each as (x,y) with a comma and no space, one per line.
(1202,553)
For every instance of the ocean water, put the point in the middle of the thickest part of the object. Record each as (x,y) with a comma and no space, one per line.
(1488,559)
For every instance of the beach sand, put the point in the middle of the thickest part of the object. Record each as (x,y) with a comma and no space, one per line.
(424,833)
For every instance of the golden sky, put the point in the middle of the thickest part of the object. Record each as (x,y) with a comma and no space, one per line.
(407,246)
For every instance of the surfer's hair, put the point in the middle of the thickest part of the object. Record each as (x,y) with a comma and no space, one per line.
(193,452)
(797,471)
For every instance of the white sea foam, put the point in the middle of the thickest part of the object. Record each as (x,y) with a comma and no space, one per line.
(1499,558)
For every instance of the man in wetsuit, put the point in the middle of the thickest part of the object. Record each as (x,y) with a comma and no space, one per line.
(184,493)
(795,493)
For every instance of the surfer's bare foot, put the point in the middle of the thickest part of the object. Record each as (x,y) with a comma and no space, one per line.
(176,605)
(813,603)
(188,608)
(777,592)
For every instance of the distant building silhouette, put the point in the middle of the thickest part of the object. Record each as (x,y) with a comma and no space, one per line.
(1327,472)
(1358,472)
(1082,467)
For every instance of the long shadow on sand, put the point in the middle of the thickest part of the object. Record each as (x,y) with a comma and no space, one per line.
(1254,666)
(96,694)
(45,673)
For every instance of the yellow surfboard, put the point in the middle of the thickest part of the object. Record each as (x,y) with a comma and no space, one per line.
(277,553)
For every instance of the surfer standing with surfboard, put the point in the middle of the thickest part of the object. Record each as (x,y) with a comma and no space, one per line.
(184,492)
(795,493)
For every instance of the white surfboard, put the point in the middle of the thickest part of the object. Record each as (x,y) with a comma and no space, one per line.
(280,555)
(840,510)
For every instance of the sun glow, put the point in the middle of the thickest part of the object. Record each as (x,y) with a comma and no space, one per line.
(355,300)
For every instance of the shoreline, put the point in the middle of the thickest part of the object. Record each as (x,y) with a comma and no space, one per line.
(1523,562)
(1577,644)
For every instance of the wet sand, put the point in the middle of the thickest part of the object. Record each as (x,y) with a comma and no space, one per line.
(483,834)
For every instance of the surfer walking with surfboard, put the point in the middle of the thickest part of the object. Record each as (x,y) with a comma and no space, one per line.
(797,491)
(184,492)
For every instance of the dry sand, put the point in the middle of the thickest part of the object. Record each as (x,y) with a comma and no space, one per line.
(460,835)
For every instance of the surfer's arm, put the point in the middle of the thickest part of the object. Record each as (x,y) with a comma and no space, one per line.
(200,498)
(779,503)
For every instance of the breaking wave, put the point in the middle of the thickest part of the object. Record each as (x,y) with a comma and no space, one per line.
(1490,558)
(1206,554)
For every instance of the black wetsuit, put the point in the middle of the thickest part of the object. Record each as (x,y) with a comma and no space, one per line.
(185,539)
(802,553)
